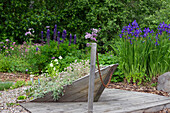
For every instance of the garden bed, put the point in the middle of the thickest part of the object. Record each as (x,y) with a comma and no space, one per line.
(131,87)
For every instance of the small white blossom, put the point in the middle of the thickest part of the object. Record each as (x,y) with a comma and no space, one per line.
(51,64)
(31,76)
(56,60)
(60,57)
(54,68)
(42,75)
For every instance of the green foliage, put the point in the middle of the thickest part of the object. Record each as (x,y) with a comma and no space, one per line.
(77,17)
(142,58)
(5,63)
(12,104)
(18,84)
(154,84)
(35,57)
(18,64)
(47,52)
(5,85)
(118,75)
(28,83)
(22,97)
(162,15)
(107,59)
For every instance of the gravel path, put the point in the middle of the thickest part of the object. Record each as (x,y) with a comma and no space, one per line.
(10,97)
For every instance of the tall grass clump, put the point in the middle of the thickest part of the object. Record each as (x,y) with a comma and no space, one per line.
(144,54)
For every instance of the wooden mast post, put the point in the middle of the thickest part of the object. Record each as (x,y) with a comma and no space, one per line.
(91,78)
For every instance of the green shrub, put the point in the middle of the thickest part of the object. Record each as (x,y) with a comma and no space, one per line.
(18,84)
(77,17)
(159,16)
(5,63)
(39,59)
(22,97)
(12,104)
(35,57)
(5,85)
(108,59)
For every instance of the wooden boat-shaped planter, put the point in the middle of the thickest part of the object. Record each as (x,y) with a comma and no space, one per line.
(78,90)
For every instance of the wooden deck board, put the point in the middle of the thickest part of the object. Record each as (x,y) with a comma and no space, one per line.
(111,101)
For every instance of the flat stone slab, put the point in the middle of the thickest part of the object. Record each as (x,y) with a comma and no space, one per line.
(111,101)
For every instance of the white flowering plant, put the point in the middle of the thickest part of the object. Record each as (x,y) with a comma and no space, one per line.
(55,84)
(53,67)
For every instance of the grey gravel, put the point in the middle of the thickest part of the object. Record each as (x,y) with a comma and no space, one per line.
(10,96)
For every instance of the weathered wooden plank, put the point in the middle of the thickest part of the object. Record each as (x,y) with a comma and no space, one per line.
(131,108)
(70,92)
(137,103)
(91,78)
(82,93)
(112,69)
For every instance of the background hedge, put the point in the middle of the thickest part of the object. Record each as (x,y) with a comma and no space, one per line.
(78,17)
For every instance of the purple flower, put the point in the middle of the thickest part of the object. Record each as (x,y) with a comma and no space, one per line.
(95,30)
(37,49)
(62,37)
(87,44)
(27,33)
(13,43)
(88,35)
(48,36)
(53,58)
(65,34)
(94,39)
(58,38)
(145,35)
(93,35)
(120,35)
(7,40)
(55,30)
(70,39)
(55,27)
(48,27)
(74,39)
(26,70)
(54,37)
(130,42)
(152,31)
(42,36)
(156,43)
(135,24)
